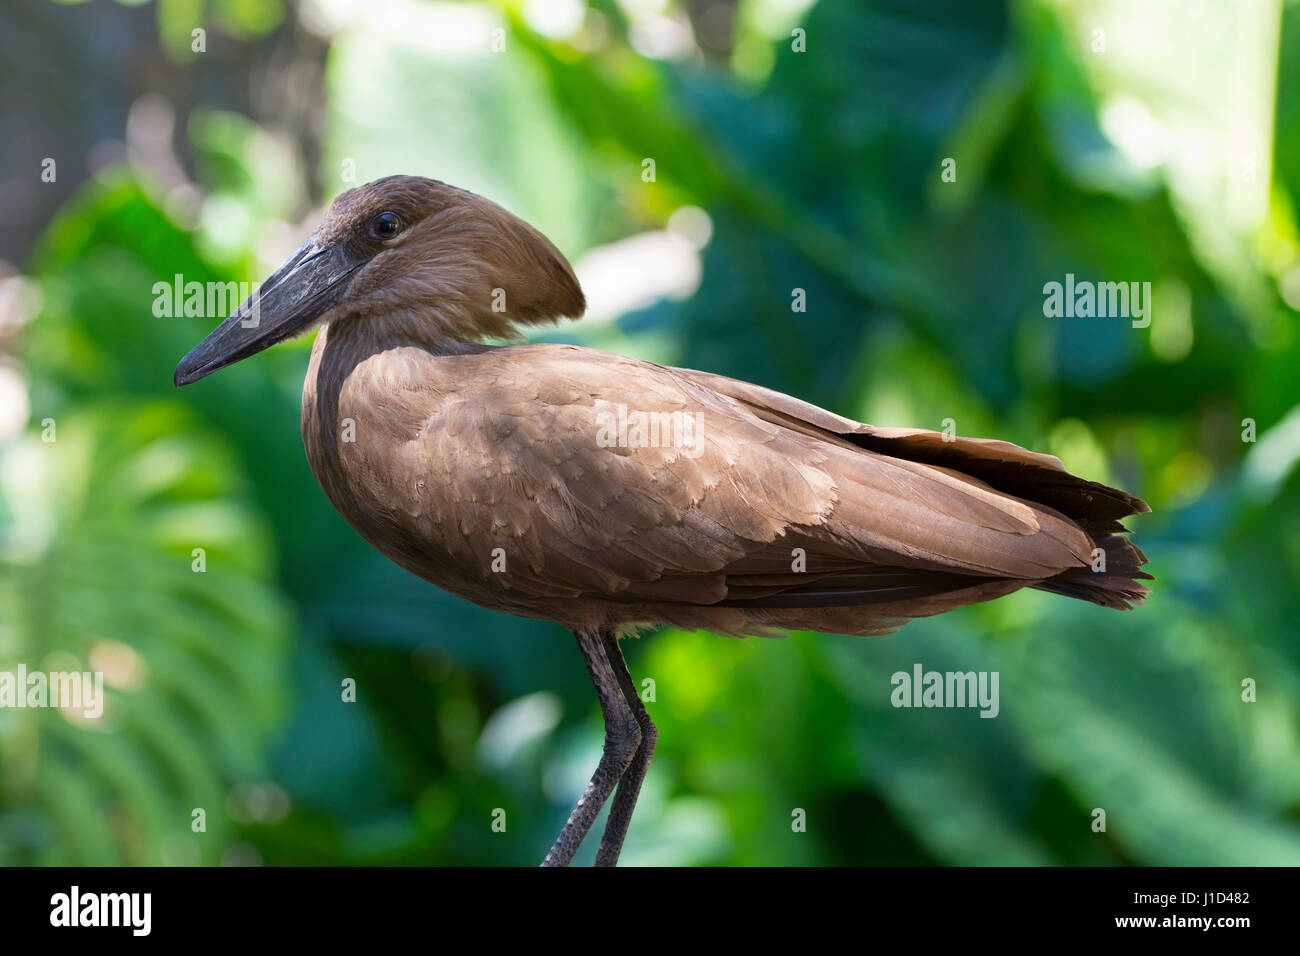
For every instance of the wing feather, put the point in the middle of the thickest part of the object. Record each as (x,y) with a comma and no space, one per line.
(502,451)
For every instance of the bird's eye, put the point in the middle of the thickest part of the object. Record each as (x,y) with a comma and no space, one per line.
(385,225)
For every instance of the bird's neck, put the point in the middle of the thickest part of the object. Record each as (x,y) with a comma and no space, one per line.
(344,343)
(358,336)
(341,346)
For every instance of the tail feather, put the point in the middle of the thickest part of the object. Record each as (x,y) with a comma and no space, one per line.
(1040,479)
(1114,584)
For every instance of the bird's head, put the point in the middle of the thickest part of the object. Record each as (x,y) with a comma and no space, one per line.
(438,261)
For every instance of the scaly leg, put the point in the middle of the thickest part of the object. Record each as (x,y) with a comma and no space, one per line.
(629,786)
(622,739)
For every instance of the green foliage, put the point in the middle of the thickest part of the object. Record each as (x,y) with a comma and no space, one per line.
(99,575)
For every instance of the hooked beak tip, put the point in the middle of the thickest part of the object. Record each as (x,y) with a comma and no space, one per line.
(185,376)
(194,366)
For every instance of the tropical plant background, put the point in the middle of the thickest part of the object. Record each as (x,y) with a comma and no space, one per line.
(797,145)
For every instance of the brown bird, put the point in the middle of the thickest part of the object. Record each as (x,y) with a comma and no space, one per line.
(607,493)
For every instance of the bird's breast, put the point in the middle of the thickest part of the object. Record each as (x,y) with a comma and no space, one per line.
(365,413)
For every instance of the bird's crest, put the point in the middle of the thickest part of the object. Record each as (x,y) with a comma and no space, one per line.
(471,267)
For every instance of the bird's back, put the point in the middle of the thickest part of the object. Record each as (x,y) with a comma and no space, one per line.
(600,491)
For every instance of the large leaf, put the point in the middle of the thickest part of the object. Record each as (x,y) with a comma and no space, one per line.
(99,574)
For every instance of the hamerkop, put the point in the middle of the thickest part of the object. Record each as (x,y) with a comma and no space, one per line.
(607,493)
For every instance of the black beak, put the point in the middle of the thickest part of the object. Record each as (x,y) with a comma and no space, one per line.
(300,291)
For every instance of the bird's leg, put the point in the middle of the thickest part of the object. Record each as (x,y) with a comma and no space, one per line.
(622,738)
(629,786)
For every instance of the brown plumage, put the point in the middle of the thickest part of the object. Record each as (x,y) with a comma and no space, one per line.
(503,475)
